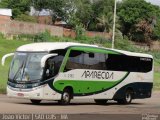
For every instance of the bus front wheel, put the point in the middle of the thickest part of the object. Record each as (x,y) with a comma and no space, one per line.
(36,102)
(66,97)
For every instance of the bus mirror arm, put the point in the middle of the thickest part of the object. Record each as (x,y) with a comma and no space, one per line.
(6,56)
(44,58)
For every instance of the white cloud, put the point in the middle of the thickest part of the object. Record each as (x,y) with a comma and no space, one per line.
(155,2)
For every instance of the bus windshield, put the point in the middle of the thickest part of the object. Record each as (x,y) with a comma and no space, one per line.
(26,67)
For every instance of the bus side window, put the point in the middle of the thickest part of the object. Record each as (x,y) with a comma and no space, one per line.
(127,63)
(50,68)
(97,62)
(75,60)
(85,60)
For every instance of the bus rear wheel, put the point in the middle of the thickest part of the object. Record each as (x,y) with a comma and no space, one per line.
(100,102)
(127,98)
(36,102)
(66,97)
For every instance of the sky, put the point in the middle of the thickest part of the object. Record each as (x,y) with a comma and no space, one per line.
(155,2)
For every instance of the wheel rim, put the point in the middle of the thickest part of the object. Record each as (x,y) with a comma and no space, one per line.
(128,97)
(66,97)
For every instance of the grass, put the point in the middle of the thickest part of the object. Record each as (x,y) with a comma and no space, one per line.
(156,81)
(7,46)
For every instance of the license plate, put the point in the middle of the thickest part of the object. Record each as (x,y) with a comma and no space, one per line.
(20,94)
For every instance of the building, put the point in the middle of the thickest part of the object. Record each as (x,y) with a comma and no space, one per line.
(5,14)
(43,17)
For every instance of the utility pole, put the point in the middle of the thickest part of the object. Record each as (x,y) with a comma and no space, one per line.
(114,23)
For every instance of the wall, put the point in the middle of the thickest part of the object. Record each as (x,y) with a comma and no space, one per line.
(71,33)
(12,27)
(4,18)
(17,27)
(44,20)
(155,45)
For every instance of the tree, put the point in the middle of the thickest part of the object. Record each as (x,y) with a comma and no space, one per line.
(18,6)
(105,22)
(142,32)
(78,12)
(133,12)
(102,11)
(156,30)
(56,6)
(27,18)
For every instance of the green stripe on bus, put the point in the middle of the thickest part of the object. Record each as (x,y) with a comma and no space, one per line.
(64,61)
(95,50)
(86,86)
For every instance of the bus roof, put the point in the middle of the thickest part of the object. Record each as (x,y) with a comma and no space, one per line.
(133,53)
(50,46)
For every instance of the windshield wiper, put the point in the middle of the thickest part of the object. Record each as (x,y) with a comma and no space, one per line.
(20,68)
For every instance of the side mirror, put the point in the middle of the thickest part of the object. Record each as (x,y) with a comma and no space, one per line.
(5,56)
(44,58)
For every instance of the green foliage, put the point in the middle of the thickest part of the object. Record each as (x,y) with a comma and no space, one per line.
(156,31)
(90,13)
(18,6)
(29,37)
(42,37)
(105,22)
(84,11)
(132,13)
(78,12)
(156,57)
(73,20)
(80,32)
(26,18)
(141,32)
(102,16)
(57,6)
(123,43)
(101,40)
(1,35)
(156,82)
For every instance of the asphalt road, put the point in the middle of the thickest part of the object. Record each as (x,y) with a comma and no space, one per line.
(144,109)
(12,105)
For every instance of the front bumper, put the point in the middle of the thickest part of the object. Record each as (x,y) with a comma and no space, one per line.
(34,93)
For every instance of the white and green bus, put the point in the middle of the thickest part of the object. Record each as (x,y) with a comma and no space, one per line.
(62,71)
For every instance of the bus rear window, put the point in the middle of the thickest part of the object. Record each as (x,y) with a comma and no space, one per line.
(128,63)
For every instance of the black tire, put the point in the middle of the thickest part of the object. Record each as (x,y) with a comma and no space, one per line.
(100,102)
(127,98)
(66,97)
(36,102)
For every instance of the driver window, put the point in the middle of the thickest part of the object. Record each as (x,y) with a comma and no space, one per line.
(50,68)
